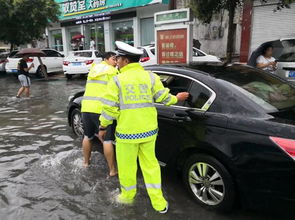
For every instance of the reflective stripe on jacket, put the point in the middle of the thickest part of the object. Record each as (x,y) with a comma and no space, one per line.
(97,80)
(131,96)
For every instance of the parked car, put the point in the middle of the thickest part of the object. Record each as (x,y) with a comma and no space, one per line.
(79,62)
(4,49)
(233,139)
(52,61)
(284,53)
(149,57)
(3,60)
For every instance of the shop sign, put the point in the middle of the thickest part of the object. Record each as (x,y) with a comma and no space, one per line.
(174,16)
(72,8)
(88,19)
(171,46)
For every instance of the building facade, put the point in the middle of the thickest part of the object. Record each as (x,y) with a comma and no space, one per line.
(104,21)
(213,36)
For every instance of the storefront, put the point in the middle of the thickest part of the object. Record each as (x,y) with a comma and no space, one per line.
(104,22)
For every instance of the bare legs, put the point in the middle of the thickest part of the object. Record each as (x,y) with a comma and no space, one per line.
(23,89)
(87,146)
(108,150)
(27,91)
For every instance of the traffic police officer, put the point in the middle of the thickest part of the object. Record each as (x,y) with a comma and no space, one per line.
(96,86)
(131,96)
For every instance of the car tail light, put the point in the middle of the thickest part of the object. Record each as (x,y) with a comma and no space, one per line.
(88,62)
(30,60)
(288,145)
(66,63)
(144,59)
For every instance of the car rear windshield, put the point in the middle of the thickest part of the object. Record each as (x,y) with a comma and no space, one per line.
(13,54)
(268,91)
(83,54)
(284,51)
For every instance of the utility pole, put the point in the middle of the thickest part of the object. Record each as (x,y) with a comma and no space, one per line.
(172,4)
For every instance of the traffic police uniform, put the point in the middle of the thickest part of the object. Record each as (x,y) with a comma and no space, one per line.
(131,96)
(98,78)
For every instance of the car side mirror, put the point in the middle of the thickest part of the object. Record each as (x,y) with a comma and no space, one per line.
(62,55)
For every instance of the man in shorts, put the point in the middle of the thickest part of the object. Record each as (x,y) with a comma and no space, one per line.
(23,76)
(93,99)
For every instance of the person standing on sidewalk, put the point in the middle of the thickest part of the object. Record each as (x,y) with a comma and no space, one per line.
(23,76)
(130,100)
(93,99)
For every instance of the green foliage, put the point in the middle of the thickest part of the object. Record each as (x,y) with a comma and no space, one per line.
(25,20)
(205,9)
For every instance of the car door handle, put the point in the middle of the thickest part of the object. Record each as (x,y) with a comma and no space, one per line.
(181,117)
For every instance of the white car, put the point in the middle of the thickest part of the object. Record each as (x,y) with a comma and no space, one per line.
(52,61)
(3,60)
(79,62)
(149,57)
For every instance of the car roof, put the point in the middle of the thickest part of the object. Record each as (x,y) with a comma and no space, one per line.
(190,68)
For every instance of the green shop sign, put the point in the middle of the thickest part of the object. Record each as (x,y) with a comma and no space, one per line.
(75,8)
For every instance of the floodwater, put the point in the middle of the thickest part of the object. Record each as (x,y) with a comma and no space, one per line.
(41,173)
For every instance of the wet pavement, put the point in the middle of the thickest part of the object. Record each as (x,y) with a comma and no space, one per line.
(41,173)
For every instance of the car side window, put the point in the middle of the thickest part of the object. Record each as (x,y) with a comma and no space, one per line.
(145,54)
(176,84)
(199,95)
(198,53)
(195,53)
(51,53)
(97,54)
(153,51)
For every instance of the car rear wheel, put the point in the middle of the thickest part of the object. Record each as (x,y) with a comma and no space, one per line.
(209,182)
(68,76)
(76,122)
(40,73)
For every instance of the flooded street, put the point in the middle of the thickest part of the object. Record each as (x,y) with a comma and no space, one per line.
(41,173)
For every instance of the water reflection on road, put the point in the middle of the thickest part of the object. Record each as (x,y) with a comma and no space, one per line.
(41,174)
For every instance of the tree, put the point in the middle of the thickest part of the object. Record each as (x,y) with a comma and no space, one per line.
(205,9)
(25,20)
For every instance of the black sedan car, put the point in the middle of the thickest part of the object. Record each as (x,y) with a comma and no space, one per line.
(233,139)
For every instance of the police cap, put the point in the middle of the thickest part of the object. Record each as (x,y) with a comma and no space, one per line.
(127,50)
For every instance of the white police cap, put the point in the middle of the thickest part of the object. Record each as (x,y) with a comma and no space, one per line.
(127,50)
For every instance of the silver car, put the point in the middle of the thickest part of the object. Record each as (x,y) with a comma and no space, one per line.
(284,53)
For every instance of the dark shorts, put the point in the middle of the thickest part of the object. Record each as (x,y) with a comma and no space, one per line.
(91,126)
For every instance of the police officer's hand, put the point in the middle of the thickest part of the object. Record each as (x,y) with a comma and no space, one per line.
(182,96)
(101,135)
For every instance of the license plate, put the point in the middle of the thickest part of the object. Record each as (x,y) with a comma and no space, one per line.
(14,71)
(291,73)
(76,64)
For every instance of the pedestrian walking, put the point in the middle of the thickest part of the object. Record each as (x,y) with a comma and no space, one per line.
(130,100)
(92,44)
(92,102)
(23,76)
